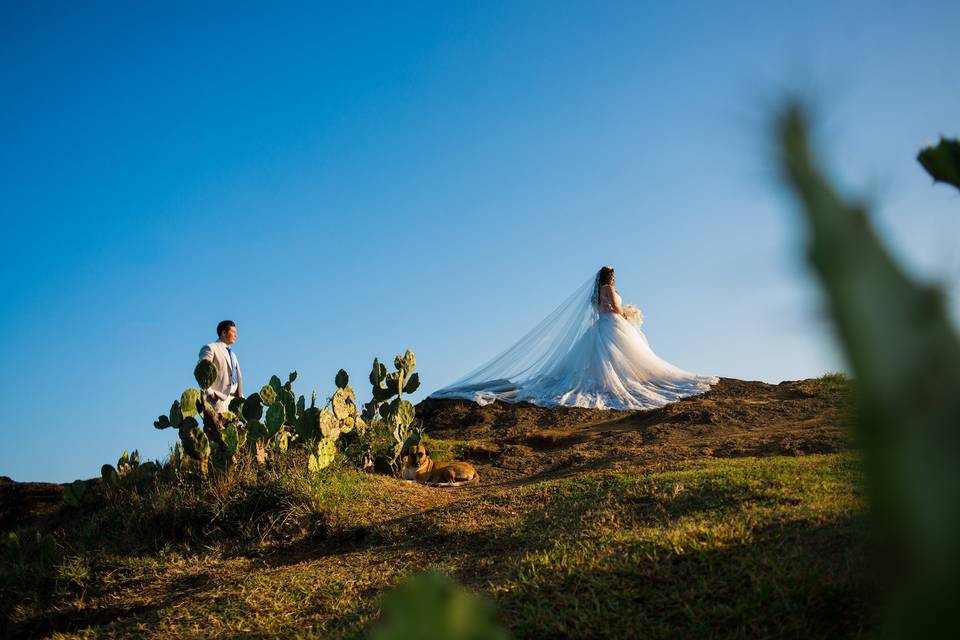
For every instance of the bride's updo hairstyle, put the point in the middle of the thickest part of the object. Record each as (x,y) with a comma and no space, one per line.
(604,276)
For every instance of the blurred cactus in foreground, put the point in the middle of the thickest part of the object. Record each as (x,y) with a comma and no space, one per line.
(905,358)
(942,162)
(433,607)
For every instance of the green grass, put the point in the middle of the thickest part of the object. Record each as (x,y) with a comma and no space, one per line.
(835,384)
(750,547)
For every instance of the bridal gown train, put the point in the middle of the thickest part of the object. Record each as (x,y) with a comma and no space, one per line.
(580,356)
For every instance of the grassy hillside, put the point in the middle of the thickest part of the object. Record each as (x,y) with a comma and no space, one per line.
(736,514)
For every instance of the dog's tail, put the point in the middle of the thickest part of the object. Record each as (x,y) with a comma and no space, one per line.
(459,483)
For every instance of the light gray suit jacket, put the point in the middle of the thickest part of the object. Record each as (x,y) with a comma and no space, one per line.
(217,353)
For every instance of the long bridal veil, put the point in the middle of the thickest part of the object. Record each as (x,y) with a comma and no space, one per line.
(577,356)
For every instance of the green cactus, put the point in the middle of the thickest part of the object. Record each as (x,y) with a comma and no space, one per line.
(413,383)
(340,404)
(289,406)
(268,395)
(291,378)
(434,606)
(189,423)
(252,409)
(231,438)
(378,373)
(162,422)
(205,373)
(942,162)
(406,363)
(308,425)
(301,405)
(905,357)
(235,406)
(47,546)
(329,425)
(325,453)
(276,384)
(275,417)
(109,475)
(188,402)
(195,443)
(282,440)
(176,415)
(342,379)
(73,493)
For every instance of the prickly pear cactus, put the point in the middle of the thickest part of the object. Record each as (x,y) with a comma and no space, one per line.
(162,422)
(176,415)
(252,408)
(188,402)
(196,445)
(289,406)
(235,406)
(231,437)
(907,396)
(73,493)
(942,162)
(325,453)
(341,404)
(268,394)
(275,417)
(342,379)
(413,383)
(205,373)
(275,384)
(308,426)
(110,475)
(329,425)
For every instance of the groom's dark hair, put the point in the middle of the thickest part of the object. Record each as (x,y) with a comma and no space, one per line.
(224,326)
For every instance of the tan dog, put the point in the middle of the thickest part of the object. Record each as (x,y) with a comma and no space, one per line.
(421,468)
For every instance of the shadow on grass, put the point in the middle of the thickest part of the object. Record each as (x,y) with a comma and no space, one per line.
(71,619)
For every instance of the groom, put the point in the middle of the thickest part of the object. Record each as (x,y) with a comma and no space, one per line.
(229,382)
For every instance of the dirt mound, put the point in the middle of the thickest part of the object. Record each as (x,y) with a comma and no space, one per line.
(735,418)
(22,501)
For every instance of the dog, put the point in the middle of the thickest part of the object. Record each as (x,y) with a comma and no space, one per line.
(419,467)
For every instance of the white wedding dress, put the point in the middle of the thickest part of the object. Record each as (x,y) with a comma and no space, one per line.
(582,355)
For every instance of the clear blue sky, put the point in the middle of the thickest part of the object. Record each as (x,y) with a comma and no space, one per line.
(346,183)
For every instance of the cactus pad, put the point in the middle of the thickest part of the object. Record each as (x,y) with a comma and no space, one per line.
(231,438)
(308,426)
(342,379)
(341,405)
(275,416)
(413,383)
(406,363)
(942,162)
(109,475)
(329,425)
(188,402)
(268,395)
(252,408)
(206,373)
(378,373)
(326,452)
(162,422)
(176,415)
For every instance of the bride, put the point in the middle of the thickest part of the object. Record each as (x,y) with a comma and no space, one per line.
(589,352)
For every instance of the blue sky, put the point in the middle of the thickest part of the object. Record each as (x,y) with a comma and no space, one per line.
(348,182)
